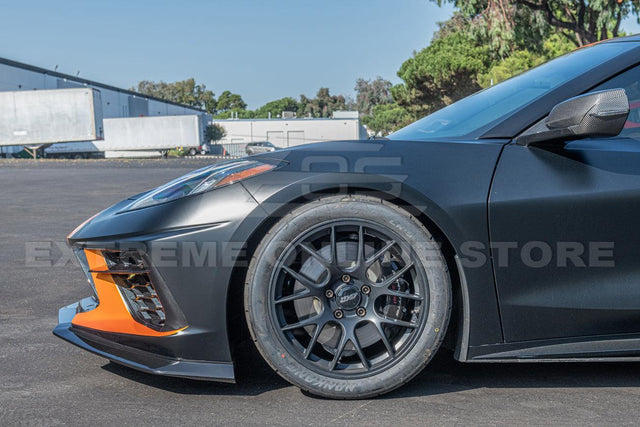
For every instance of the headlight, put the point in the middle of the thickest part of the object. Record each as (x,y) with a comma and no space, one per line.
(202,180)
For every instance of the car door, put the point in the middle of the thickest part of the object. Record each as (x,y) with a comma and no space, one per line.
(564,224)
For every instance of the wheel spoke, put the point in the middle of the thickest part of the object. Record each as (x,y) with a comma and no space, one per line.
(334,247)
(360,352)
(398,274)
(302,294)
(302,323)
(308,249)
(384,339)
(402,294)
(360,258)
(314,340)
(396,322)
(339,350)
(359,267)
(381,252)
(304,281)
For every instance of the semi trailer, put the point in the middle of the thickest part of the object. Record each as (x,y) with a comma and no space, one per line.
(42,117)
(139,137)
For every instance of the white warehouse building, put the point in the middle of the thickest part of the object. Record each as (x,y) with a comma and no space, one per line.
(116,102)
(344,125)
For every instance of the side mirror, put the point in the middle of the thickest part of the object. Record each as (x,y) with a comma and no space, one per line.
(595,114)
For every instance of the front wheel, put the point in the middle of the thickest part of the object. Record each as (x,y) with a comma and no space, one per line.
(348,297)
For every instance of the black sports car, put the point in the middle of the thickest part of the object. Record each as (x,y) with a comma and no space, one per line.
(504,227)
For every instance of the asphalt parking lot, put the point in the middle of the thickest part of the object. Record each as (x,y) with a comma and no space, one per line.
(45,381)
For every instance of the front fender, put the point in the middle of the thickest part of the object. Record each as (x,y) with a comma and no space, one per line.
(447,183)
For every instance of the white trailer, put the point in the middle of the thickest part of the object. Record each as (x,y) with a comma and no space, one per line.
(42,117)
(140,137)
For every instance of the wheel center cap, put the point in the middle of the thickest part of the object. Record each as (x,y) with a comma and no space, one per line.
(348,297)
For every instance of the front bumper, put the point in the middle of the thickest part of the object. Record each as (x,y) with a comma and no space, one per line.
(190,247)
(133,357)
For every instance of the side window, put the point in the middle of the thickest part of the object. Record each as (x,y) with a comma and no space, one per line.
(630,82)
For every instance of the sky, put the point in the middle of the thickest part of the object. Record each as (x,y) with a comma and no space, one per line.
(263,50)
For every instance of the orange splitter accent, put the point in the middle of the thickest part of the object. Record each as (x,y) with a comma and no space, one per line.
(111,314)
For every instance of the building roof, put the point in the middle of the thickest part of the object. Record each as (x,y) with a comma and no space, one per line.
(90,82)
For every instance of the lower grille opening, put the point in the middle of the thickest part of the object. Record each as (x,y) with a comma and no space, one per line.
(141,298)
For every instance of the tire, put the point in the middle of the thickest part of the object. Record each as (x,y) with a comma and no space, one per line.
(406,300)
(193,152)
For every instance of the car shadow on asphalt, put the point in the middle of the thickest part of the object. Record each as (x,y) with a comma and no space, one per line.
(253,377)
(443,375)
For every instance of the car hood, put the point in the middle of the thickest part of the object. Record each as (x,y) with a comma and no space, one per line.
(424,166)
(371,156)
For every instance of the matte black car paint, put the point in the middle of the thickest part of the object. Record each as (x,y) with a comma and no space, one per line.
(587,192)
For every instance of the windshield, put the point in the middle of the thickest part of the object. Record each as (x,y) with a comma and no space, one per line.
(474,113)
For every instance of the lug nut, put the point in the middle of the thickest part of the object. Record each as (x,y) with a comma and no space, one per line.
(346,278)
(365,290)
(338,314)
(361,311)
(328,293)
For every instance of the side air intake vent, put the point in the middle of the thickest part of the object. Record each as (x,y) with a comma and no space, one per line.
(141,298)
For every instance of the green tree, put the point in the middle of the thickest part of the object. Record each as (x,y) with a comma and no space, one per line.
(370,93)
(230,101)
(584,21)
(470,51)
(184,92)
(214,132)
(235,113)
(275,108)
(323,105)
(386,118)
(515,64)
(523,60)
(581,21)
(440,74)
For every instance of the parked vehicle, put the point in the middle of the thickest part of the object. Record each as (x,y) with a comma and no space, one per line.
(217,150)
(503,227)
(260,147)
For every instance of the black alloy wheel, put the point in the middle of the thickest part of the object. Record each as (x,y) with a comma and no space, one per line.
(348,298)
(355,295)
